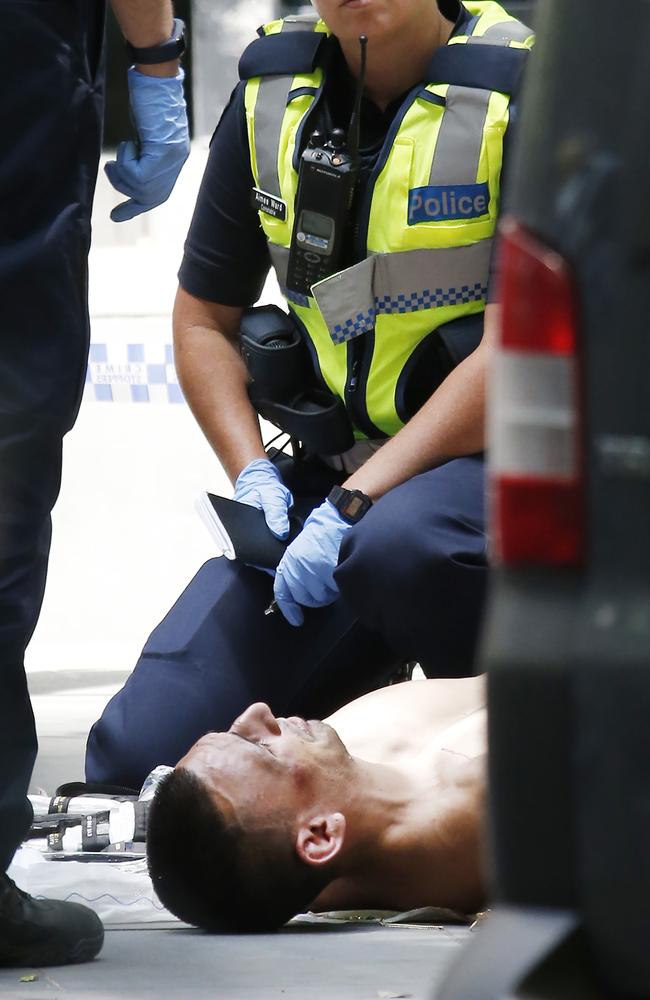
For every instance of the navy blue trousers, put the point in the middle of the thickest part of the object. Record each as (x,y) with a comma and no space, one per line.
(50,121)
(412,578)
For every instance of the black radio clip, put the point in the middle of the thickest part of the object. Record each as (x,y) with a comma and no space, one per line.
(326,182)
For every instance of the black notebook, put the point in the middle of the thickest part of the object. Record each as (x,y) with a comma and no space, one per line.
(241,532)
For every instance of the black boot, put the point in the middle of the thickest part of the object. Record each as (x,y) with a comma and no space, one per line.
(38,932)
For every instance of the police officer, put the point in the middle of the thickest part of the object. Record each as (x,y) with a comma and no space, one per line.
(390,564)
(50,123)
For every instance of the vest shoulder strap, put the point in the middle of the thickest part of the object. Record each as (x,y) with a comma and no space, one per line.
(297,49)
(284,54)
(486,67)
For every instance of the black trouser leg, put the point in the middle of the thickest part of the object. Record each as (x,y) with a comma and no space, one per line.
(50,117)
(414,570)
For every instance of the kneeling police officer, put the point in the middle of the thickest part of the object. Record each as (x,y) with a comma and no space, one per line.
(378,215)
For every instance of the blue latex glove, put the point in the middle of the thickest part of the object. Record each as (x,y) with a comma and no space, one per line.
(260,485)
(147,172)
(305,574)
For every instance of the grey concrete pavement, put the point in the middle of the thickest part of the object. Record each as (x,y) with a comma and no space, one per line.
(354,963)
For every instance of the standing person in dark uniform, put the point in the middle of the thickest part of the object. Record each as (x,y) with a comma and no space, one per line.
(50,122)
(392,567)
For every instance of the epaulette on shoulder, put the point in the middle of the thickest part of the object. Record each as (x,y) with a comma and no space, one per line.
(284,54)
(487,67)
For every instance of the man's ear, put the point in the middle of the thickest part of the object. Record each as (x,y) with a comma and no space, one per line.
(321,838)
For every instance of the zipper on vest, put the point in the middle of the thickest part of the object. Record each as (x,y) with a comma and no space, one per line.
(360,349)
(352,383)
(354,377)
(359,355)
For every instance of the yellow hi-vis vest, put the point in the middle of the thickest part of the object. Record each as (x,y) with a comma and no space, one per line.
(430,210)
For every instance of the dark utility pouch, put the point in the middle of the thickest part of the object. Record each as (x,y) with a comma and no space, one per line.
(274,353)
(283,388)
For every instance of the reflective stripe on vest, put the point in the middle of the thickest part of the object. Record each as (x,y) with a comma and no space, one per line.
(492,25)
(352,300)
(272,99)
(432,206)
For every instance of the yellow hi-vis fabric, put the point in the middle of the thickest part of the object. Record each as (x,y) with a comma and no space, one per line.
(420,270)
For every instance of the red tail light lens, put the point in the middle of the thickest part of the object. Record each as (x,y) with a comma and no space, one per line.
(537,496)
(539,309)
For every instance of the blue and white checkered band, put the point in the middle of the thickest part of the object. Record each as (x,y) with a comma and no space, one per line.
(357,325)
(385,305)
(132,373)
(297,298)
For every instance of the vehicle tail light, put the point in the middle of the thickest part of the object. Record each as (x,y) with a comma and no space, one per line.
(537,495)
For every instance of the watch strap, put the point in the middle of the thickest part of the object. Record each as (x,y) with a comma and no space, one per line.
(167,51)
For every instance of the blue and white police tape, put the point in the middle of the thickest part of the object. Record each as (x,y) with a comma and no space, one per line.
(132,373)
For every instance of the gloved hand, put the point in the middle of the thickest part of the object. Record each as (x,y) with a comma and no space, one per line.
(146,175)
(305,574)
(260,485)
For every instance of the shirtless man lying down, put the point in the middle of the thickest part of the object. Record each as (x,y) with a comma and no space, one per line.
(380,806)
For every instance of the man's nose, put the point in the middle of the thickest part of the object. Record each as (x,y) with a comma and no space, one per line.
(258,720)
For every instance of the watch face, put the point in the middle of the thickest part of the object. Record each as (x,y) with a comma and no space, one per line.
(354,507)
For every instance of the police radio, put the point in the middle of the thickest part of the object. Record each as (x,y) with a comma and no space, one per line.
(326,182)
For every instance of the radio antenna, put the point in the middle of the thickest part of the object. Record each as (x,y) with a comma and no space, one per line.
(355,119)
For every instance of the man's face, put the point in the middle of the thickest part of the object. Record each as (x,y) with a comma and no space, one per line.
(266,764)
(377,19)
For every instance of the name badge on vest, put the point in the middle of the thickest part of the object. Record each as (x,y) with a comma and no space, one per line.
(269,204)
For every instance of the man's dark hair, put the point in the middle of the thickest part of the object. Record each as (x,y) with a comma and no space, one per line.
(211,872)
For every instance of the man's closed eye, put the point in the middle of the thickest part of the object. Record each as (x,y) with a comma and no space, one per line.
(255,743)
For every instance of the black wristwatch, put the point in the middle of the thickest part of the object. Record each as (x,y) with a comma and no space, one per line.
(351,504)
(173,48)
